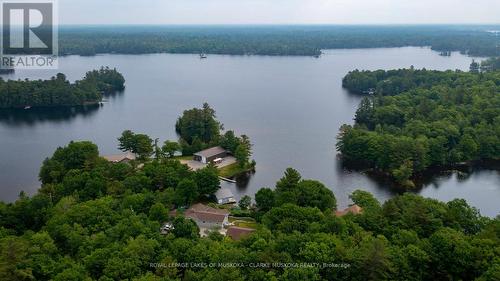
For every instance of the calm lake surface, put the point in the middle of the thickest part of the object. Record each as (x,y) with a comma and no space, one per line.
(291,107)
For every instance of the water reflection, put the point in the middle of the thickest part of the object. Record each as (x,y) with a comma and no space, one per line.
(462,174)
(384,184)
(34,116)
(113,95)
(243,180)
(434,177)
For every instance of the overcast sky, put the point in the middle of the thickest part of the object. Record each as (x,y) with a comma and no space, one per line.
(278,11)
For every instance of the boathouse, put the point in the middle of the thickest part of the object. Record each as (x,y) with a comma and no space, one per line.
(209,155)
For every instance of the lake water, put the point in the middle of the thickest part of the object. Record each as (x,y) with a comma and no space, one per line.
(291,107)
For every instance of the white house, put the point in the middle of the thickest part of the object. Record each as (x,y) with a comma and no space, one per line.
(208,218)
(224,196)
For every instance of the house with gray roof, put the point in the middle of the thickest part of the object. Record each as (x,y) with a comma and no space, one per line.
(208,218)
(120,158)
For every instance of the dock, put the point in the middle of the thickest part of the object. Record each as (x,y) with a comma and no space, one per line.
(226,179)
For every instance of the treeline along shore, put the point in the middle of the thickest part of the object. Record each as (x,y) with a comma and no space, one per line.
(413,120)
(59,92)
(307,40)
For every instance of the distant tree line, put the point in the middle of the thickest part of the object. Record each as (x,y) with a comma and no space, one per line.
(272,40)
(97,220)
(58,91)
(416,119)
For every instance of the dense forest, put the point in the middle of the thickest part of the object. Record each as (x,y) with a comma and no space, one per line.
(97,220)
(415,119)
(58,91)
(272,40)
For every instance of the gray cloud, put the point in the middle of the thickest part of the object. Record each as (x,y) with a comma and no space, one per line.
(278,11)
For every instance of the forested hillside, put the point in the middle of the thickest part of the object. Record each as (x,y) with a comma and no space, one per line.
(58,91)
(97,220)
(272,40)
(416,119)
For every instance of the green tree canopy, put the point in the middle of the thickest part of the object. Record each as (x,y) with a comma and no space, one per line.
(139,144)
(419,119)
(199,123)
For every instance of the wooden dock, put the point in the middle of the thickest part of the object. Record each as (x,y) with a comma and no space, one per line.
(226,179)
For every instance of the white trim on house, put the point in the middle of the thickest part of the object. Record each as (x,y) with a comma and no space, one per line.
(225,196)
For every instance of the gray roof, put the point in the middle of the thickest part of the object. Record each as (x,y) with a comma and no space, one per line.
(205,213)
(223,192)
(119,157)
(211,151)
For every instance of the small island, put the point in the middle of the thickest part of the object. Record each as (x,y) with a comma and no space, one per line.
(59,92)
(414,120)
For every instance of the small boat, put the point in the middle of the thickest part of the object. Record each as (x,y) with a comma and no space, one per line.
(203,56)
(27,107)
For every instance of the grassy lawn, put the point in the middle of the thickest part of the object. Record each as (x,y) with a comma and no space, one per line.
(246,224)
(243,222)
(189,157)
(231,170)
